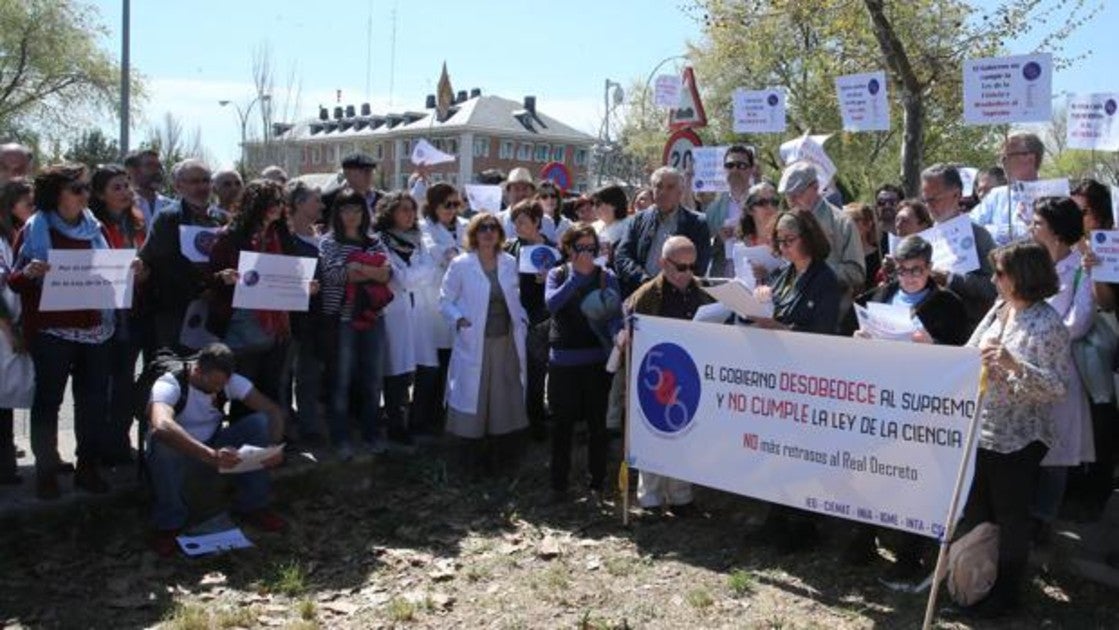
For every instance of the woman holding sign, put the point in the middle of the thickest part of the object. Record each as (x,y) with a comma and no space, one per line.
(64,344)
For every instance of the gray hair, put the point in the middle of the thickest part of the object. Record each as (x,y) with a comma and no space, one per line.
(15,147)
(1030,141)
(675,244)
(762,186)
(275,173)
(946,173)
(298,191)
(226,173)
(180,168)
(914,247)
(662,172)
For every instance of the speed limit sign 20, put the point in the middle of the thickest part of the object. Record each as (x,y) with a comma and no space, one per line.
(678,149)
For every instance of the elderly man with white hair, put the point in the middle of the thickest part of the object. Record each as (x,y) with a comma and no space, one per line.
(15,162)
(637,258)
(674,292)
(275,173)
(227,189)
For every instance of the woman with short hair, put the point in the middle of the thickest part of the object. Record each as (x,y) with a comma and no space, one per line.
(611,214)
(805,293)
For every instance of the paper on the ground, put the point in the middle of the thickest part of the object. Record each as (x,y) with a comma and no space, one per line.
(196,242)
(886,321)
(1001,90)
(1105,245)
(425,153)
(759,111)
(967,178)
(713,313)
(194,334)
(484,197)
(537,258)
(274,283)
(82,279)
(214,543)
(862,101)
(738,297)
(1091,122)
(666,91)
(252,458)
(710,176)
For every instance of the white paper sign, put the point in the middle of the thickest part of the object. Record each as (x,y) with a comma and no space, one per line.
(886,321)
(214,543)
(269,282)
(252,458)
(1115,205)
(967,178)
(1023,195)
(1091,122)
(810,149)
(425,153)
(194,334)
(739,298)
(745,256)
(484,197)
(666,91)
(81,279)
(196,242)
(1105,245)
(759,111)
(862,102)
(781,416)
(537,258)
(953,245)
(1001,90)
(710,176)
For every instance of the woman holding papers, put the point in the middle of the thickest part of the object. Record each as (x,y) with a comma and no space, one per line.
(113,203)
(63,344)
(1057,225)
(805,293)
(1024,347)
(12,194)
(409,339)
(445,232)
(258,338)
(485,383)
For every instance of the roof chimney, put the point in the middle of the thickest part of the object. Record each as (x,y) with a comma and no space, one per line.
(365,109)
(460,97)
(350,111)
(475,93)
(338,112)
(324,114)
(530,105)
(430,102)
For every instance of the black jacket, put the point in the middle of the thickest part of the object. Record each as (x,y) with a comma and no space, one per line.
(812,305)
(633,248)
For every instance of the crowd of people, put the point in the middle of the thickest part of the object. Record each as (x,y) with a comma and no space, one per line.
(430,318)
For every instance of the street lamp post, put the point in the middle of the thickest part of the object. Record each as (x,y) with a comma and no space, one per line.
(243,116)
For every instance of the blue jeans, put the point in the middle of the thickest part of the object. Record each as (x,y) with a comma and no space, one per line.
(167,467)
(304,369)
(56,361)
(360,358)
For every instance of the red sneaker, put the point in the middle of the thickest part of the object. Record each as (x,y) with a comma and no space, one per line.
(265,520)
(164,542)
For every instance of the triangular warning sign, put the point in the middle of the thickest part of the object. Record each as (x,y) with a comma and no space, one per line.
(689,113)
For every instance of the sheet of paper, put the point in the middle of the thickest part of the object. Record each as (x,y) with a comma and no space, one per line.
(954,245)
(810,149)
(537,258)
(426,153)
(274,283)
(196,242)
(744,256)
(1013,89)
(214,543)
(884,323)
(759,111)
(738,297)
(967,178)
(1024,194)
(81,279)
(1105,245)
(252,458)
(484,197)
(862,101)
(1091,122)
(710,176)
(666,90)
(194,334)
(714,313)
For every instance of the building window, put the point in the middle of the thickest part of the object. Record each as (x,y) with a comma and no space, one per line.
(452,146)
(481,147)
(524,154)
(316,155)
(379,151)
(407,147)
(453,178)
(580,157)
(506,151)
(542,153)
(558,152)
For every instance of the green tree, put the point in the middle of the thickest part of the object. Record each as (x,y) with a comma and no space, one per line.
(52,70)
(93,148)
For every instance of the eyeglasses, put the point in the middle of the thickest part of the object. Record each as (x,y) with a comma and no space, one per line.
(488,227)
(681,267)
(452,205)
(1005,157)
(585,249)
(787,241)
(195,181)
(78,188)
(911,272)
(546,196)
(886,201)
(742,166)
(772,203)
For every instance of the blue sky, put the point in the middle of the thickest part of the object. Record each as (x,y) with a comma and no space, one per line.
(194,54)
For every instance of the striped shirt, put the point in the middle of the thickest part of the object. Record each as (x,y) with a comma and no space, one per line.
(333,265)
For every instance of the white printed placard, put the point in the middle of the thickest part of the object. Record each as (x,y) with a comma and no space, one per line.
(1023,195)
(194,334)
(484,197)
(1000,90)
(270,282)
(967,178)
(709,174)
(954,246)
(424,153)
(810,149)
(746,256)
(1091,122)
(759,111)
(196,242)
(82,279)
(538,258)
(666,90)
(862,101)
(1105,245)
(781,416)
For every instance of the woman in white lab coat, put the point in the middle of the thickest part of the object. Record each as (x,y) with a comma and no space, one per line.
(445,232)
(485,384)
(409,340)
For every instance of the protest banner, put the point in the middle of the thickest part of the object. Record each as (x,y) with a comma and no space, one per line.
(196,242)
(1090,122)
(273,283)
(710,176)
(871,432)
(1000,90)
(862,101)
(82,279)
(1105,245)
(424,153)
(484,197)
(758,111)
(666,91)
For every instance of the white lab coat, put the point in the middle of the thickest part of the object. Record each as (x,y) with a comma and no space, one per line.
(466,293)
(444,247)
(409,339)
(1072,415)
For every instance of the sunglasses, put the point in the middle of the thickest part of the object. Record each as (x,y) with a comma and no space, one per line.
(910,272)
(742,166)
(79,188)
(787,241)
(488,227)
(682,267)
(773,203)
(585,249)
(453,205)
(546,196)
(886,201)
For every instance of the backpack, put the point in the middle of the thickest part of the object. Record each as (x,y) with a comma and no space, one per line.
(973,562)
(166,362)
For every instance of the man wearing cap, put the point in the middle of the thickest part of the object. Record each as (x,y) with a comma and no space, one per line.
(1004,215)
(520,186)
(637,258)
(801,187)
(357,169)
(725,212)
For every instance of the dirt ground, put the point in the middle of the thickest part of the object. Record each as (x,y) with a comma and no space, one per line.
(402,541)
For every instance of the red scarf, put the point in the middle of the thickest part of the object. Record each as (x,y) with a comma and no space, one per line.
(275,323)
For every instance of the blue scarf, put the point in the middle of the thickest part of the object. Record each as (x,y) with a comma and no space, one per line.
(37,238)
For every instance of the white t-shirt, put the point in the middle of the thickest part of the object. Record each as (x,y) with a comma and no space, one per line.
(200,418)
